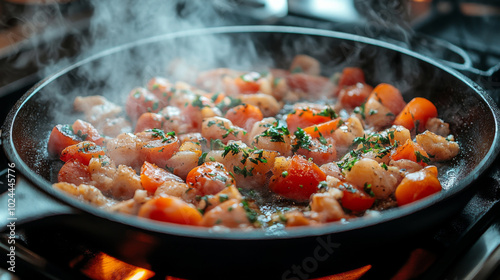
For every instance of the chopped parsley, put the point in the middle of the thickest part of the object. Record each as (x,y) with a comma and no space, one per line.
(421,157)
(328,112)
(302,140)
(276,133)
(165,137)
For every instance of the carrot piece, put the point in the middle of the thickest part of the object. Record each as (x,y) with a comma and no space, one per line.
(296,178)
(305,117)
(74,172)
(87,132)
(418,185)
(350,76)
(61,137)
(171,210)
(355,95)
(244,116)
(355,199)
(324,129)
(412,151)
(209,178)
(354,274)
(153,176)
(82,152)
(248,83)
(389,96)
(416,114)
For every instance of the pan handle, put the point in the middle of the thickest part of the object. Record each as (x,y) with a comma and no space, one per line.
(23,203)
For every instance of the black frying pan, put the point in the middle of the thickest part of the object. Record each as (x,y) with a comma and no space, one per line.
(199,253)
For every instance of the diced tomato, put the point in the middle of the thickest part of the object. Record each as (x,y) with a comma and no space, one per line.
(149,121)
(87,132)
(61,137)
(160,148)
(171,210)
(350,76)
(153,176)
(74,172)
(412,151)
(305,117)
(389,96)
(296,178)
(418,185)
(317,85)
(354,95)
(141,101)
(209,178)
(244,116)
(82,152)
(355,199)
(416,112)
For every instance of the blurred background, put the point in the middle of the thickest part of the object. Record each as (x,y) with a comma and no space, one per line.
(39,37)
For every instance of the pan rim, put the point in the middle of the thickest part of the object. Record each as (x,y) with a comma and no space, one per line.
(300,232)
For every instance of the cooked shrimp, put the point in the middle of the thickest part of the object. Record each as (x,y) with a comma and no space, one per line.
(266,103)
(222,129)
(120,182)
(229,214)
(438,147)
(376,115)
(124,150)
(438,126)
(327,207)
(346,133)
(369,172)
(305,64)
(85,193)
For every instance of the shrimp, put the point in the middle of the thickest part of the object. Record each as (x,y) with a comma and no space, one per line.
(267,104)
(124,150)
(185,159)
(346,133)
(222,129)
(376,114)
(326,207)
(83,192)
(131,206)
(438,147)
(229,214)
(305,64)
(369,172)
(120,182)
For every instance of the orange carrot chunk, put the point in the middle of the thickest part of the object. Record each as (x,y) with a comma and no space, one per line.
(416,113)
(244,116)
(389,96)
(418,185)
(412,151)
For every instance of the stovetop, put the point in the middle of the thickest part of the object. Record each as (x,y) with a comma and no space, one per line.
(465,247)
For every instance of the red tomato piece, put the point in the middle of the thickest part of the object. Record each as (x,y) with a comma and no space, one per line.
(296,179)
(209,178)
(304,117)
(389,96)
(87,132)
(350,76)
(355,95)
(74,172)
(355,199)
(61,137)
(412,151)
(160,148)
(82,152)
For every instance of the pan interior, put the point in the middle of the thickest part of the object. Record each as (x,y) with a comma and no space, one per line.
(114,75)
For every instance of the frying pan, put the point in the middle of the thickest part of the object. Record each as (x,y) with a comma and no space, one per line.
(197,253)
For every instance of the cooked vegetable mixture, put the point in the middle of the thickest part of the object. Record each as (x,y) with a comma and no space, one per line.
(245,150)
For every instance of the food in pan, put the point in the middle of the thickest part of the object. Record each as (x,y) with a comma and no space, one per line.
(244,150)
